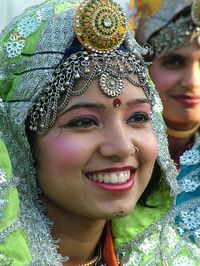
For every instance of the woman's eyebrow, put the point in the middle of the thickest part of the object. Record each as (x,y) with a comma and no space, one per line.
(83,105)
(138,101)
(101,106)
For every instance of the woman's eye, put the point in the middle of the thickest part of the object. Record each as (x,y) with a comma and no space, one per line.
(139,117)
(173,62)
(83,122)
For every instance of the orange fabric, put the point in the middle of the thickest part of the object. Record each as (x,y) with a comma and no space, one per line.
(108,248)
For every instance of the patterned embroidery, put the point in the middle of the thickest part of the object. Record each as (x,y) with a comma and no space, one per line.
(183,261)
(190,219)
(4,260)
(187,214)
(190,157)
(27,26)
(191,183)
(149,245)
(168,247)
(2,177)
(3,202)
(135,259)
(14,47)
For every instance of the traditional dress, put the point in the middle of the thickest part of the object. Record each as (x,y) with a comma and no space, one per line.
(41,58)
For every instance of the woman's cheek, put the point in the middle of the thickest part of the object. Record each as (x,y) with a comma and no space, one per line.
(151,147)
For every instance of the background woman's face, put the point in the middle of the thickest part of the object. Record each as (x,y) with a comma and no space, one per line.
(85,162)
(177,78)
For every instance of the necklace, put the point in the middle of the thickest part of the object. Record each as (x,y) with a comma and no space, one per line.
(94,260)
(90,262)
(182,134)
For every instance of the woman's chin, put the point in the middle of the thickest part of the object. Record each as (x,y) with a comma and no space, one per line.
(120,212)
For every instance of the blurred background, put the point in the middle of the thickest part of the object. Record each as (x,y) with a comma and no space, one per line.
(12,8)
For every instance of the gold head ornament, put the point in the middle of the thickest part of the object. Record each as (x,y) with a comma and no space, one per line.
(196,12)
(100,25)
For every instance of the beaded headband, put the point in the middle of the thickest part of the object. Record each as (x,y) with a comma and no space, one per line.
(183,30)
(110,68)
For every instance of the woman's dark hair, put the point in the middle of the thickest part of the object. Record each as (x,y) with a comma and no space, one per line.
(152,186)
(31,139)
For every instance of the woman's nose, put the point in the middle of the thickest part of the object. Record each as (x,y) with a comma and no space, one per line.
(118,143)
(191,77)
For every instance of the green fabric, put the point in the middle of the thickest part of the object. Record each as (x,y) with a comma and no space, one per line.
(17,240)
(62,6)
(4,159)
(7,87)
(125,229)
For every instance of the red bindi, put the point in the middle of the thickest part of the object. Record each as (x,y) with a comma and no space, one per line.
(117,102)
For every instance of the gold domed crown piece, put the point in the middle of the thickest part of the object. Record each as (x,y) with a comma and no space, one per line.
(100,25)
(196,12)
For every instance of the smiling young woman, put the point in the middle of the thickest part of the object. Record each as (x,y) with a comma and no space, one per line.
(177,77)
(82,123)
(175,68)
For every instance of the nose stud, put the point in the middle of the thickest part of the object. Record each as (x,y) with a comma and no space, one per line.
(136,150)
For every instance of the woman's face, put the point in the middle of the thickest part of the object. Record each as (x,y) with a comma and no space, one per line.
(86,165)
(177,78)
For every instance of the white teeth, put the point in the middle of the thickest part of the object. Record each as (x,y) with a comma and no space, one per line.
(114,179)
(121,177)
(106,179)
(111,178)
(100,178)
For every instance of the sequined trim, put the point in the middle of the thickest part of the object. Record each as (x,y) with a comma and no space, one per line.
(5,260)
(159,245)
(5,185)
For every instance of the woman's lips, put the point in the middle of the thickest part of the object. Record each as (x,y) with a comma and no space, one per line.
(188,100)
(112,180)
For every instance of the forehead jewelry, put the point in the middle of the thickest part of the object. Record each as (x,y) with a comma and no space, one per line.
(181,31)
(136,150)
(117,102)
(100,27)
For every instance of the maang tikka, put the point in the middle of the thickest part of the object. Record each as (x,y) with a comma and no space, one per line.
(100,26)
